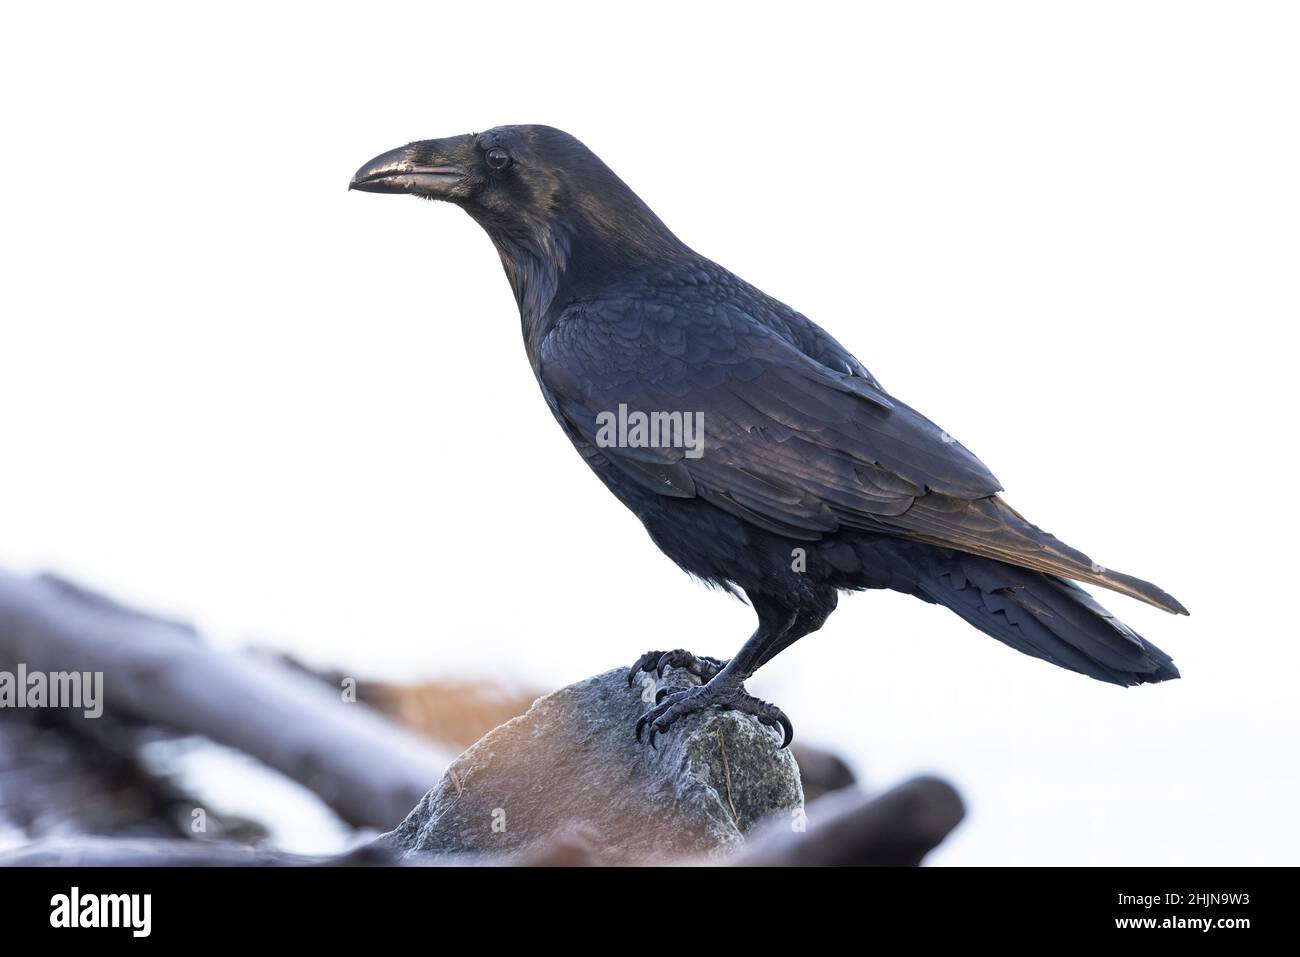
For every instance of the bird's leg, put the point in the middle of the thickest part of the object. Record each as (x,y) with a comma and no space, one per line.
(809,619)
(725,690)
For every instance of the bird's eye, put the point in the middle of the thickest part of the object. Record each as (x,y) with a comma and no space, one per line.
(498,159)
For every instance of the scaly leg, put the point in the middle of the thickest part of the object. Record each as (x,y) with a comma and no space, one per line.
(726,688)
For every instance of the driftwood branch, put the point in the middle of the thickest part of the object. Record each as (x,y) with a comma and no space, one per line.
(158,674)
(898,827)
(155,671)
(90,851)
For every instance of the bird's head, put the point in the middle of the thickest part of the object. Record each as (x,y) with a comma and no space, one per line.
(531,186)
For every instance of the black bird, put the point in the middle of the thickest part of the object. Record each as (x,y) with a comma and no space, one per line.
(810,478)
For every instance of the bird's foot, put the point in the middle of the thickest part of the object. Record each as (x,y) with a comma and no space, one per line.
(730,695)
(703,667)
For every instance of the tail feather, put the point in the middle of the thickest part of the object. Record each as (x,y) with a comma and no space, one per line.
(992,528)
(1042,615)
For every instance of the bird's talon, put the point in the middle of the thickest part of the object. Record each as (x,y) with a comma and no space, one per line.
(671,706)
(645,663)
(662,664)
(657,662)
(788,729)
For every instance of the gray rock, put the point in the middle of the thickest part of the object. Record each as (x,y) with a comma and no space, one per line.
(572,766)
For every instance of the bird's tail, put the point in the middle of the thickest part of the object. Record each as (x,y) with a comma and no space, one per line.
(1040,614)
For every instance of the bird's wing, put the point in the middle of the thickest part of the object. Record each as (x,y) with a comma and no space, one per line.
(788,444)
(812,340)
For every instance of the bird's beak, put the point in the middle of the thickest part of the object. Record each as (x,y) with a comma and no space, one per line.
(432,168)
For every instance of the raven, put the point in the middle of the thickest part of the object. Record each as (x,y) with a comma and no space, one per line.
(806,478)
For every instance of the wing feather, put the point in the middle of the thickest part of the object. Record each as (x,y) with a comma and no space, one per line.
(790,445)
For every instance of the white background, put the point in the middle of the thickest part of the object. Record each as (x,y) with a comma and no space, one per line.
(1067,232)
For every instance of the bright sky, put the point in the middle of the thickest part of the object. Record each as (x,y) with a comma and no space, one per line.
(234,391)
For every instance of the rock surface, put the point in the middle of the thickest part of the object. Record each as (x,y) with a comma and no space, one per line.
(572,766)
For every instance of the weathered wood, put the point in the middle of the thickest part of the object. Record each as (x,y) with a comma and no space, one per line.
(157,672)
(369,770)
(849,827)
(161,852)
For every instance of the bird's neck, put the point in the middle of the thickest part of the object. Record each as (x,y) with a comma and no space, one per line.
(550,264)
(536,263)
